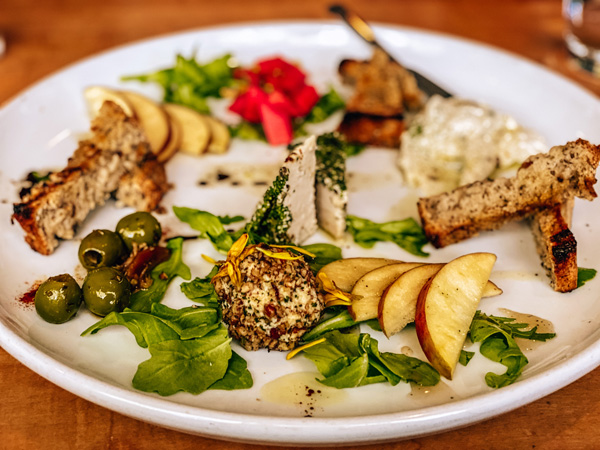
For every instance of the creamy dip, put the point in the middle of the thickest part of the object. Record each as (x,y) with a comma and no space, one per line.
(453,141)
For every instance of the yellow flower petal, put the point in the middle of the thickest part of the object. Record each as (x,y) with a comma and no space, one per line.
(298,249)
(332,291)
(297,350)
(279,255)
(209,259)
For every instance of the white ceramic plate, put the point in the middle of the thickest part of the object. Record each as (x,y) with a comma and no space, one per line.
(39,129)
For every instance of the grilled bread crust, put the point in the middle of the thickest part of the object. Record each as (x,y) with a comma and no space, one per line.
(53,209)
(556,246)
(542,181)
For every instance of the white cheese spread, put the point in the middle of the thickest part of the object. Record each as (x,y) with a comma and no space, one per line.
(453,142)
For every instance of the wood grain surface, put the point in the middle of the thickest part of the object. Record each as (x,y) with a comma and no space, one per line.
(46,35)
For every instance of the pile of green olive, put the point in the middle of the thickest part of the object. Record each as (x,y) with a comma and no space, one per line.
(105,288)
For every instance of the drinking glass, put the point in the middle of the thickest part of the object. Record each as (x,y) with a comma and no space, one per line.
(582,33)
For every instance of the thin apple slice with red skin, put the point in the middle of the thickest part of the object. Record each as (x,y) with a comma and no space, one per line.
(446,306)
(370,288)
(346,272)
(399,301)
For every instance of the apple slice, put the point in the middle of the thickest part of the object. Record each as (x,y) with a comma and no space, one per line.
(195,132)
(152,117)
(345,272)
(220,137)
(95,96)
(173,144)
(446,306)
(398,302)
(370,288)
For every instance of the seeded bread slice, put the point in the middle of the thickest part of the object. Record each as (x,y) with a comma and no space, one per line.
(542,181)
(54,209)
(556,245)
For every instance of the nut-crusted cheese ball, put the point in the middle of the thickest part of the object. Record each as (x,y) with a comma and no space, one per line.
(276,302)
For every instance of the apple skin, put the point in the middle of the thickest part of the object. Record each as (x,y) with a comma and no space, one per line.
(424,335)
(446,306)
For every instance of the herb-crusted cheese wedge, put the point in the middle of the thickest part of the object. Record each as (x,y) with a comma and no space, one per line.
(287,213)
(331,192)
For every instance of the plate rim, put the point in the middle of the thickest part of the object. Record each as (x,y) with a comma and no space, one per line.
(340,430)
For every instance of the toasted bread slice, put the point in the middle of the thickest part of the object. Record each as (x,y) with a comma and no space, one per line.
(542,181)
(556,245)
(53,209)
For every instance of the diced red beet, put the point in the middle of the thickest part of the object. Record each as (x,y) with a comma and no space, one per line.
(276,123)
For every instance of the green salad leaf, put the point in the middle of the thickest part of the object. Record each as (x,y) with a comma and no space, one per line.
(191,365)
(190,350)
(190,83)
(324,254)
(406,233)
(201,290)
(162,275)
(465,357)
(350,360)
(146,328)
(497,336)
(237,376)
(584,275)
(210,226)
(338,321)
(328,104)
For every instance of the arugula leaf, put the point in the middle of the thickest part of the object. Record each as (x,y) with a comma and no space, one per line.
(584,275)
(226,220)
(325,253)
(189,323)
(146,328)
(161,275)
(337,322)
(248,131)
(496,335)
(325,107)
(349,360)
(209,226)
(406,233)
(190,83)
(201,290)
(465,357)
(237,376)
(191,366)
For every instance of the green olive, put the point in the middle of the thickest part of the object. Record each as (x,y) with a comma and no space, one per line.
(140,228)
(105,290)
(101,248)
(58,298)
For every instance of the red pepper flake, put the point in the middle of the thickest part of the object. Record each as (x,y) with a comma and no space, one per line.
(28,298)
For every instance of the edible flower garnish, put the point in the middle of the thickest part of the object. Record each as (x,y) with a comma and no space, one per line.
(334,296)
(285,254)
(276,92)
(297,350)
(235,255)
(238,252)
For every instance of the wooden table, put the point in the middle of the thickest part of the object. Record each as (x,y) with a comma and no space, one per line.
(45,35)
